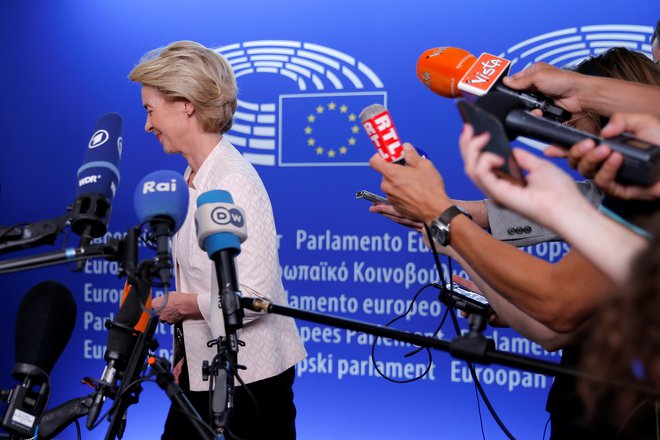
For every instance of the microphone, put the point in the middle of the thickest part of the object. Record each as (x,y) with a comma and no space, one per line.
(57,419)
(221,229)
(131,319)
(452,72)
(377,122)
(641,160)
(98,178)
(161,199)
(44,323)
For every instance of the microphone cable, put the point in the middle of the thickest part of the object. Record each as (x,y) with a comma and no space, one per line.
(470,365)
(233,371)
(417,350)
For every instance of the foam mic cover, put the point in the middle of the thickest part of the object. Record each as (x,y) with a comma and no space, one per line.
(452,72)
(441,68)
(99,173)
(220,224)
(378,124)
(132,313)
(162,195)
(98,178)
(44,323)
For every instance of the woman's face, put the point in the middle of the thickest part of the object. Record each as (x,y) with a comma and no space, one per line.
(165,119)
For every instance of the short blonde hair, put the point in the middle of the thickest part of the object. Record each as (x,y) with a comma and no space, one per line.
(186,70)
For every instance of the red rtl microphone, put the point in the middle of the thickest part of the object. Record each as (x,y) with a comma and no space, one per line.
(377,122)
(452,72)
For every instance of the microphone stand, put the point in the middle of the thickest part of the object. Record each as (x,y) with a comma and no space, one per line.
(124,396)
(24,236)
(225,363)
(128,393)
(165,381)
(470,347)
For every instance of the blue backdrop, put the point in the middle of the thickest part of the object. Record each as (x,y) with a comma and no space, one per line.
(305,70)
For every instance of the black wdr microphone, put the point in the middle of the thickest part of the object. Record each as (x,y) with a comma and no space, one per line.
(98,178)
(44,323)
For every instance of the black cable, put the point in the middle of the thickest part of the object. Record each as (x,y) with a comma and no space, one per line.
(233,372)
(428,351)
(481,419)
(78,433)
(545,428)
(470,365)
(118,398)
(254,403)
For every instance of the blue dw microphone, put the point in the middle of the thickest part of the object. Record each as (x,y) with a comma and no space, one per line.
(98,178)
(221,229)
(161,202)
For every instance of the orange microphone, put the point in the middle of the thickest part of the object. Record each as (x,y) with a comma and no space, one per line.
(441,68)
(452,72)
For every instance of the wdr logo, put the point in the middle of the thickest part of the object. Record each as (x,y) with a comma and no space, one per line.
(318,126)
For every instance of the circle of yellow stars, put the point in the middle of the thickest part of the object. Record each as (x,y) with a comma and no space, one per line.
(332,151)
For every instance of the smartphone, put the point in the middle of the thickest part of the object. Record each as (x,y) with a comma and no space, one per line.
(373,198)
(498,144)
(465,299)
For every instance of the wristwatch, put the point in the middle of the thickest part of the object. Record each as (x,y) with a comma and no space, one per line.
(440,227)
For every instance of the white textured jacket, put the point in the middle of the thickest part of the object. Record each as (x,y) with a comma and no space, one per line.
(272,342)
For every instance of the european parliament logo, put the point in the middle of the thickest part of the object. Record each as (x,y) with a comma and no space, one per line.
(319,126)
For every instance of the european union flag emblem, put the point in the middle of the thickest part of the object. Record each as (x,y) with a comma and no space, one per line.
(324,129)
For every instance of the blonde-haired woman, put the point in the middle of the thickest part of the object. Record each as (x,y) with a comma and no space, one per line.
(189,93)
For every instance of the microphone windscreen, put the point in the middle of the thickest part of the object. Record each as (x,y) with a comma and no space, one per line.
(214,196)
(441,68)
(44,323)
(131,314)
(221,217)
(99,173)
(162,194)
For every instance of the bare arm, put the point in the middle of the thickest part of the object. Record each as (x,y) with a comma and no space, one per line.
(576,92)
(511,315)
(546,292)
(552,199)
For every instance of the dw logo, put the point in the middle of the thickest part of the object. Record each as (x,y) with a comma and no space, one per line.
(567,47)
(318,125)
(227,216)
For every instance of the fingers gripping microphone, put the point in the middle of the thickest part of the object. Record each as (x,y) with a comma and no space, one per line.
(161,200)
(44,323)
(98,178)
(131,319)
(221,229)
(641,160)
(377,122)
(452,72)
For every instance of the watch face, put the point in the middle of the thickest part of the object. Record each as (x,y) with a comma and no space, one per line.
(440,234)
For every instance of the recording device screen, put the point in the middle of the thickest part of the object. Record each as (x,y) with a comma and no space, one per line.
(466,300)
(371,197)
